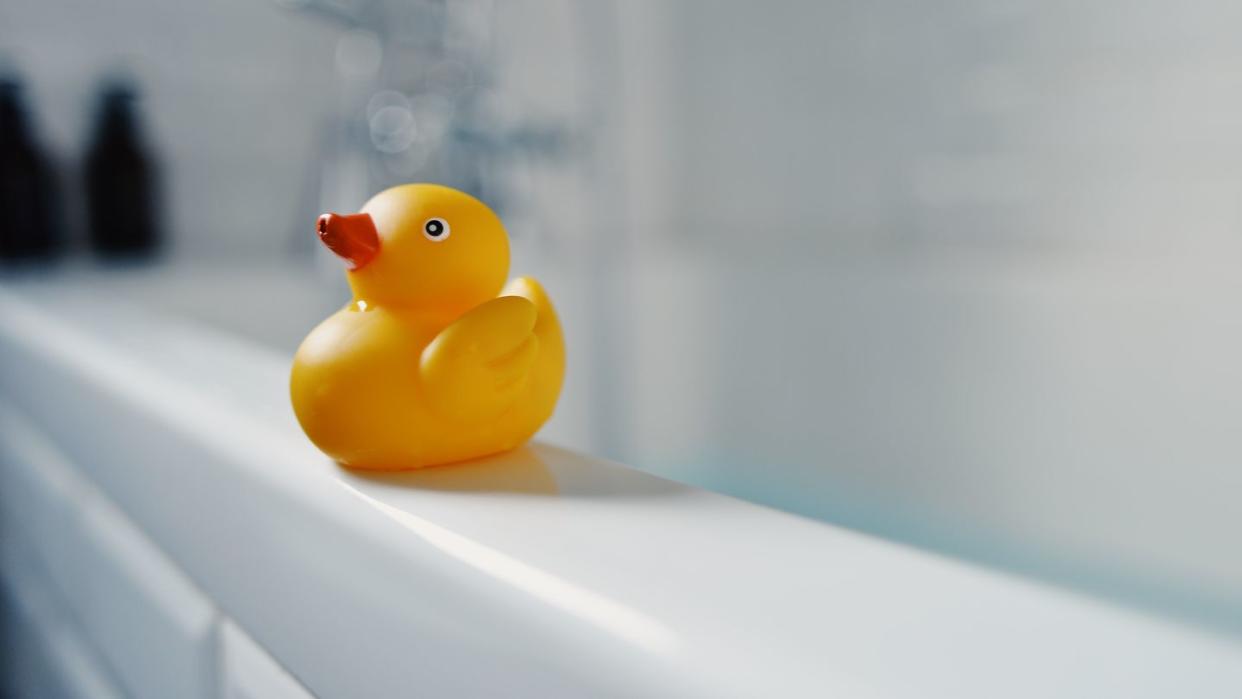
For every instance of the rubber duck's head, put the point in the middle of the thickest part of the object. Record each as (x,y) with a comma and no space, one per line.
(421,246)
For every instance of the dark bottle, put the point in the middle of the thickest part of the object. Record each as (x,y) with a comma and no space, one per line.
(28,213)
(120,180)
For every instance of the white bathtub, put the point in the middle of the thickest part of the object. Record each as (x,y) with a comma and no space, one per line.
(169,532)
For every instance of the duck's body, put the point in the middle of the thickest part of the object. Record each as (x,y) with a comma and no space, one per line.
(404,381)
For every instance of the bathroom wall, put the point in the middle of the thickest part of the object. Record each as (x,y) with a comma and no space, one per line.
(963,274)
(235,98)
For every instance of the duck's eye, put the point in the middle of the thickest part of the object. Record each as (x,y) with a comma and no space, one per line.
(436,229)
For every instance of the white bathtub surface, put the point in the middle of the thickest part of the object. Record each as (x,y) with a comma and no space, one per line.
(537,573)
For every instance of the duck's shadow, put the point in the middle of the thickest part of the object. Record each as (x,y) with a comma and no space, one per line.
(534,469)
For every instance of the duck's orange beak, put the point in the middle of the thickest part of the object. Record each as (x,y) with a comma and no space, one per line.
(351,236)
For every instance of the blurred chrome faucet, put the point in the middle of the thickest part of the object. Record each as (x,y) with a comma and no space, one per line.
(418,103)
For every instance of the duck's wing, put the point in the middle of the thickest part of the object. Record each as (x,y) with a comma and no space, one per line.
(479,365)
(547,326)
(549,370)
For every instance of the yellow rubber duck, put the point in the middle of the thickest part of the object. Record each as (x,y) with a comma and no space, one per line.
(432,362)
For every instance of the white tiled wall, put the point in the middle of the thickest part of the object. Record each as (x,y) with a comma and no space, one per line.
(235,97)
(93,608)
